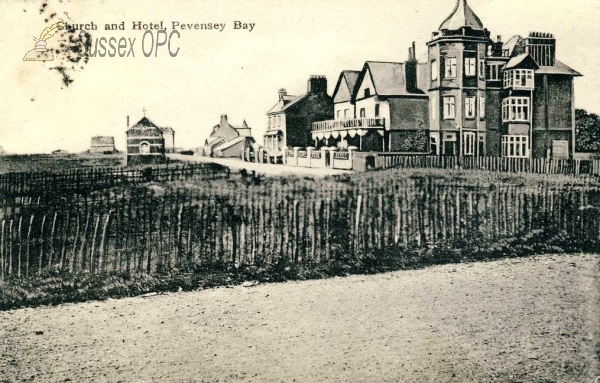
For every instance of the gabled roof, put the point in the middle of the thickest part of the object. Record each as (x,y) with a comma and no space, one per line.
(558,68)
(286,102)
(243,130)
(168,129)
(462,16)
(350,77)
(212,140)
(231,143)
(145,122)
(511,44)
(523,60)
(389,79)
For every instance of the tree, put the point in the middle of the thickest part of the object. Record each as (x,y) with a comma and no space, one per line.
(587,132)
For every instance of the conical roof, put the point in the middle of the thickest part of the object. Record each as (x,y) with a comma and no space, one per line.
(462,16)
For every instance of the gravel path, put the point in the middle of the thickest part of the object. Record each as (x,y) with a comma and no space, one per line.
(528,320)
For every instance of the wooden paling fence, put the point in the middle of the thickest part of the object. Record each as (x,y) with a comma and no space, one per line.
(158,233)
(99,178)
(502,164)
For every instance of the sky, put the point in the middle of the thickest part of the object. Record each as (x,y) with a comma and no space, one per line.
(238,72)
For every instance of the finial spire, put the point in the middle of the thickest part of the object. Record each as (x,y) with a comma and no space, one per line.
(462,16)
(144,110)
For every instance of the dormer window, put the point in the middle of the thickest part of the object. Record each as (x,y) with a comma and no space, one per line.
(367,92)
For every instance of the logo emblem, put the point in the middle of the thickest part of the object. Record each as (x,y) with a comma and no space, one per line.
(41,53)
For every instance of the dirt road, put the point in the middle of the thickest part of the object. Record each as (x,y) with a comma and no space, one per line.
(267,169)
(530,320)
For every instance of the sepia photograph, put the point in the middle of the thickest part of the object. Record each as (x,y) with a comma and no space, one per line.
(300,191)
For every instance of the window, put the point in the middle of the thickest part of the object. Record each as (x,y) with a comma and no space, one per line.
(515,109)
(279,120)
(482,107)
(493,71)
(468,143)
(515,146)
(367,92)
(433,145)
(481,68)
(144,148)
(376,110)
(270,122)
(470,107)
(449,111)
(470,66)
(346,113)
(434,70)
(339,114)
(518,78)
(363,113)
(450,67)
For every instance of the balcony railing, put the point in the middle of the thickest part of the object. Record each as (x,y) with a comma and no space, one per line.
(315,155)
(348,124)
(301,153)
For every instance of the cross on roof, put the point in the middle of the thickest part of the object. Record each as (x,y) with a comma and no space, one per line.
(144,110)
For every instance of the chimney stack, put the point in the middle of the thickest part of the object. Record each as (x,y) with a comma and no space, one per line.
(410,70)
(223,119)
(282,92)
(412,56)
(317,84)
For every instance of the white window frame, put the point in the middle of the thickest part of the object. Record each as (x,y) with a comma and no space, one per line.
(515,146)
(470,66)
(519,79)
(516,109)
(449,108)
(144,144)
(450,67)
(481,107)
(470,106)
(468,144)
(493,71)
(481,68)
(434,70)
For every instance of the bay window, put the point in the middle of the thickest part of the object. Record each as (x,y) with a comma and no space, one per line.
(515,109)
(515,146)
(518,79)
(450,67)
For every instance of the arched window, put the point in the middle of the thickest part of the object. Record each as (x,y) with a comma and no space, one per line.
(144,148)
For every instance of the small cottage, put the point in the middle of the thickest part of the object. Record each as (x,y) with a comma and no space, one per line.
(226,140)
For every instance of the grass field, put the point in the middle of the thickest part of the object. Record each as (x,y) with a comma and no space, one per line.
(57,162)
(518,320)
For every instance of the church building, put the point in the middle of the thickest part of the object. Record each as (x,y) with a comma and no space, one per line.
(145,143)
